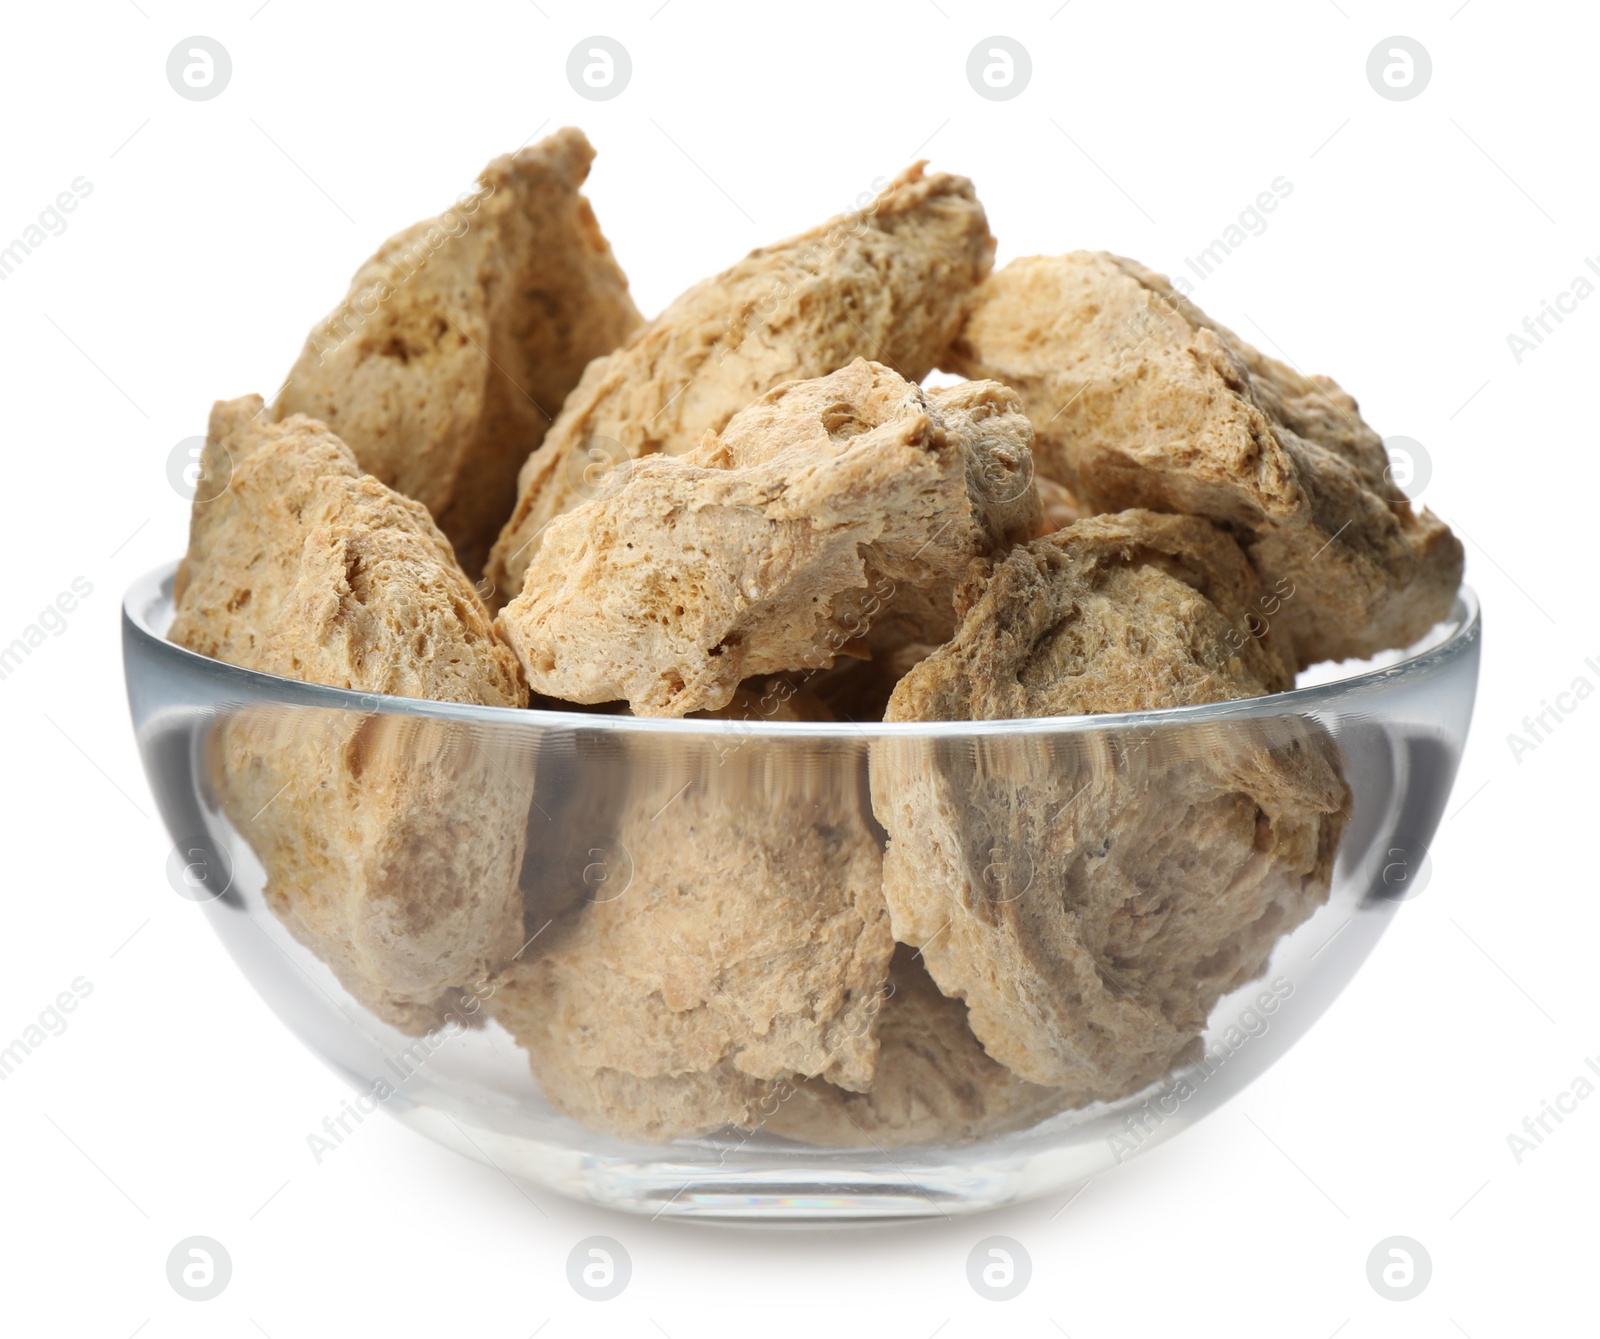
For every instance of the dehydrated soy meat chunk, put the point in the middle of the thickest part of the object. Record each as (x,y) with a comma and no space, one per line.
(933,1084)
(833,511)
(391,844)
(304,566)
(1092,894)
(887,282)
(460,339)
(746,943)
(1138,399)
(1126,612)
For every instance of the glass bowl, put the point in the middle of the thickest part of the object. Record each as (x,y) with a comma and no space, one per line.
(733,868)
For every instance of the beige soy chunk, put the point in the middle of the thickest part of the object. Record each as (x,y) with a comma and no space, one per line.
(1125,612)
(933,1085)
(308,568)
(1139,399)
(834,511)
(1091,895)
(740,937)
(888,282)
(458,341)
(653,1110)
(391,845)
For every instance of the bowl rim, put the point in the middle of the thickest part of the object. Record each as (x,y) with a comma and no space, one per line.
(153,592)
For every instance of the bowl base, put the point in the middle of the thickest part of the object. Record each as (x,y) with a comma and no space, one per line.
(775,1190)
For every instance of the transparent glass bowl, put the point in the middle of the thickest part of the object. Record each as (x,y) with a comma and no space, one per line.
(412,841)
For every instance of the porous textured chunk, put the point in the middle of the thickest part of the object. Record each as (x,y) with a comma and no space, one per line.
(1126,612)
(654,1110)
(933,1084)
(1091,895)
(308,568)
(889,282)
(839,510)
(460,339)
(391,844)
(744,941)
(1138,399)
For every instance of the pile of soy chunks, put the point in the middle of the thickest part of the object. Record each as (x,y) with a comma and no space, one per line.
(487,480)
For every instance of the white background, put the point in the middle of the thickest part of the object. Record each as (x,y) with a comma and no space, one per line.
(1418,235)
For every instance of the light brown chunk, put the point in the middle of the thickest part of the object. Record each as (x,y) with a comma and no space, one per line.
(933,1084)
(741,938)
(1138,399)
(391,844)
(307,568)
(1091,895)
(888,282)
(460,339)
(831,511)
(655,1110)
(1127,612)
